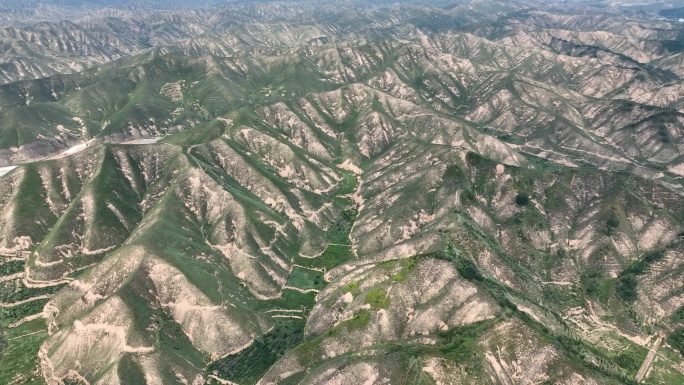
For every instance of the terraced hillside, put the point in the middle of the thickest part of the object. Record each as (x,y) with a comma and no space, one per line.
(298,193)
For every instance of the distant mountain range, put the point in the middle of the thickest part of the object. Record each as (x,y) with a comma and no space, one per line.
(327,192)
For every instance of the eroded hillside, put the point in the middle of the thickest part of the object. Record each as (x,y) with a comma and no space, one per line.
(480,193)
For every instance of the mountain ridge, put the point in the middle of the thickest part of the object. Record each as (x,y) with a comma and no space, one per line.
(486,194)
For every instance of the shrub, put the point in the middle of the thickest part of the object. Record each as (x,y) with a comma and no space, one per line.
(679,314)
(592,281)
(642,265)
(676,339)
(630,359)
(474,159)
(469,270)
(522,199)
(612,223)
(627,287)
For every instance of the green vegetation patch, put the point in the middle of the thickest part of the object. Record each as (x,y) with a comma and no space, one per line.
(454,176)
(19,360)
(460,344)
(562,297)
(605,290)
(305,279)
(32,212)
(476,160)
(642,265)
(407,266)
(359,321)
(350,183)
(573,347)
(249,365)
(129,371)
(338,232)
(332,257)
(309,352)
(351,287)
(11,267)
(377,298)
(592,281)
(291,299)
(529,216)
(679,314)
(631,358)
(11,292)
(15,313)
(626,285)
(612,223)
(662,372)
(676,339)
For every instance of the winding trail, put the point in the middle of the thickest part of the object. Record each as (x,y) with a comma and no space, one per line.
(11,277)
(27,334)
(649,359)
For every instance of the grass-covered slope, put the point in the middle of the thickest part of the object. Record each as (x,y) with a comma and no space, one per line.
(460,195)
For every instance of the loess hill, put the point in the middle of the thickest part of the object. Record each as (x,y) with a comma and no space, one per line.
(325,193)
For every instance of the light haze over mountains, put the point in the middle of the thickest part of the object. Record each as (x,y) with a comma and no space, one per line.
(326,192)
